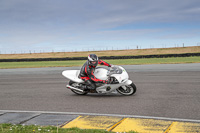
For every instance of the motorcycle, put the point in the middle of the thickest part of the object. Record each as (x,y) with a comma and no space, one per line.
(118,80)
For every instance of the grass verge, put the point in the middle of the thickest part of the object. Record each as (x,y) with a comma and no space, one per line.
(174,60)
(9,128)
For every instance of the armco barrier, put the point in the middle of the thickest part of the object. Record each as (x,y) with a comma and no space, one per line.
(102,57)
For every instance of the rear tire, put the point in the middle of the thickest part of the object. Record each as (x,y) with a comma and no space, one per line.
(74,84)
(130,90)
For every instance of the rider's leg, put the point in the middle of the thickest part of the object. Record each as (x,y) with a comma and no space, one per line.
(84,86)
(90,85)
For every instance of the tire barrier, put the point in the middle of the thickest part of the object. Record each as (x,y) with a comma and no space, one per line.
(102,57)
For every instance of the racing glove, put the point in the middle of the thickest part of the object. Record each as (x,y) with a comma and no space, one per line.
(111,65)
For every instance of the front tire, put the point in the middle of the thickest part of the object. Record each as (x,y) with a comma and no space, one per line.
(74,84)
(127,90)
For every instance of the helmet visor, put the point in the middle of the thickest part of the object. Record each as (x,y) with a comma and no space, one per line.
(93,62)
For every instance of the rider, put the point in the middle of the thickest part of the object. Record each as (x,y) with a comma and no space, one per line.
(87,72)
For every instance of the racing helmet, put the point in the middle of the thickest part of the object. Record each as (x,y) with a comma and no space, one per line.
(92,60)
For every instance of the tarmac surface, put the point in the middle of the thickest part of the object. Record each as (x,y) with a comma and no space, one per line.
(167,91)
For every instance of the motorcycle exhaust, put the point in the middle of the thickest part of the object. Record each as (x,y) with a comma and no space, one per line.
(73,88)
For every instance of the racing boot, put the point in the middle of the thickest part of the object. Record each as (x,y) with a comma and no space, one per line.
(87,88)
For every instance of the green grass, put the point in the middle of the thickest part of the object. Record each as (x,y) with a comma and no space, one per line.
(178,60)
(174,60)
(9,128)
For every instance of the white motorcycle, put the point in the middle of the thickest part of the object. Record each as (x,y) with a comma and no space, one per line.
(118,81)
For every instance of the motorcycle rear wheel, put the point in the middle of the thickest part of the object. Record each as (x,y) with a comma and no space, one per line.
(74,84)
(130,90)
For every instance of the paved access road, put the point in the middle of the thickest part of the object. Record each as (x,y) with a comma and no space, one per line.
(171,90)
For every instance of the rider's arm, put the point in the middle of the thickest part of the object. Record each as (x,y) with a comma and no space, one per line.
(101,62)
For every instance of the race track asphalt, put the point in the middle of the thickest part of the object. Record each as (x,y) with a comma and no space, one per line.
(167,90)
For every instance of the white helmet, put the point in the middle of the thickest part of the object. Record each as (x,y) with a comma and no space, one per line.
(92,60)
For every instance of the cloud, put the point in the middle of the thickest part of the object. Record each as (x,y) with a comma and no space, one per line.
(95,13)
(58,23)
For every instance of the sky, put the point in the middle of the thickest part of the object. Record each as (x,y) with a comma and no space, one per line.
(86,25)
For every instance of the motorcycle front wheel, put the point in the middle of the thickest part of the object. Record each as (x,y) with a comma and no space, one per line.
(74,84)
(127,90)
